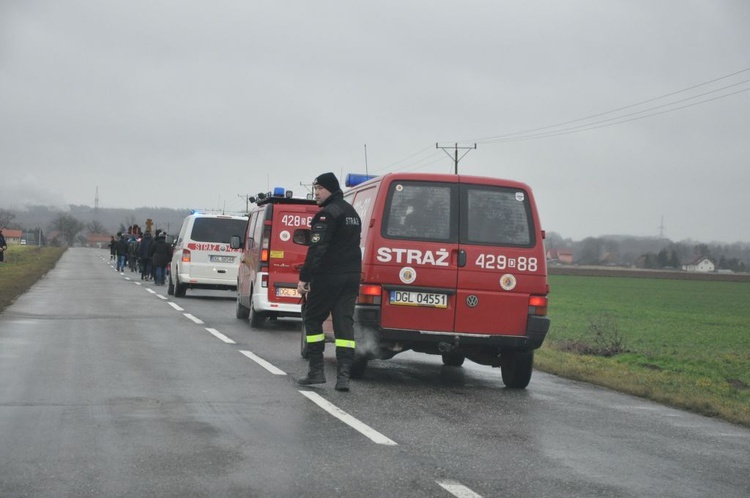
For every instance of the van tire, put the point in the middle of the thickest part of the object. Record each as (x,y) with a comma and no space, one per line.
(359,365)
(516,368)
(179,289)
(241,312)
(256,319)
(453,359)
(170,286)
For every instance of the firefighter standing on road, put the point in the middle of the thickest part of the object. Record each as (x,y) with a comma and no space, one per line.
(330,278)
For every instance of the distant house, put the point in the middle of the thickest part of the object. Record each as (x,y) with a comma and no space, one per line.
(12,237)
(563,256)
(703,265)
(100,240)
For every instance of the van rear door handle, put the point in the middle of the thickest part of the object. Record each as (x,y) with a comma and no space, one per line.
(461,258)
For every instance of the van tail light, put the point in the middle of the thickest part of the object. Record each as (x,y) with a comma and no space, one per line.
(264,281)
(369,294)
(538,305)
(186,256)
(264,245)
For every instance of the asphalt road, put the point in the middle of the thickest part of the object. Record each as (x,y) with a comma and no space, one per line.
(109,387)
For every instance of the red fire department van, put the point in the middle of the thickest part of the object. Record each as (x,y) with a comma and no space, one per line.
(453,265)
(270,261)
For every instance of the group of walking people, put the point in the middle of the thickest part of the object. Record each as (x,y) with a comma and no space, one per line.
(142,252)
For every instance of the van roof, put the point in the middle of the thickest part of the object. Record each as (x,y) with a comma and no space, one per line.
(447,177)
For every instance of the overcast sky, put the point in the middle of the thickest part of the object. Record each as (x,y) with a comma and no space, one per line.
(193,104)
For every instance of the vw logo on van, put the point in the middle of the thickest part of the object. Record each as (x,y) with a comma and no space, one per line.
(472,301)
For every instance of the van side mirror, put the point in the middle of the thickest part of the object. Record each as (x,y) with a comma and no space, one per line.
(301,236)
(234,242)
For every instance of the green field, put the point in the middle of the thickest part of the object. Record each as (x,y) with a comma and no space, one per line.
(686,343)
(23,266)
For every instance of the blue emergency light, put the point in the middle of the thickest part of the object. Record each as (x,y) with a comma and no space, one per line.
(354,179)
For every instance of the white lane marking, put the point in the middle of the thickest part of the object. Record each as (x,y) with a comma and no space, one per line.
(352,422)
(457,489)
(163,298)
(174,305)
(137,283)
(152,291)
(263,363)
(221,336)
(191,317)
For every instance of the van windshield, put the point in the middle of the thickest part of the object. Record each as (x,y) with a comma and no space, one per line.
(467,214)
(217,229)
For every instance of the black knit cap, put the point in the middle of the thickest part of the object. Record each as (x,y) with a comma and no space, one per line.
(328,181)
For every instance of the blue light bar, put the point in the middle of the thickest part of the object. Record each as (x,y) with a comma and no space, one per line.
(278,191)
(354,179)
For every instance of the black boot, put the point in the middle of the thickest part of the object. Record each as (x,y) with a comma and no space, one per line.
(316,375)
(344,358)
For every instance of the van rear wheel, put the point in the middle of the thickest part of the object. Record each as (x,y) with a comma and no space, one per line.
(256,319)
(170,287)
(516,368)
(359,365)
(241,312)
(453,359)
(179,289)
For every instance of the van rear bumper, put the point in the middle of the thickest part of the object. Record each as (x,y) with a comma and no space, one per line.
(536,331)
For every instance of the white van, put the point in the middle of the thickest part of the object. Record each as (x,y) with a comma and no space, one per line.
(202,257)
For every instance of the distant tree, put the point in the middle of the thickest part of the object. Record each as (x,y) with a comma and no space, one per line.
(68,226)
(674,260)
(589,251)
(662,259)
(6,217)
(96,227)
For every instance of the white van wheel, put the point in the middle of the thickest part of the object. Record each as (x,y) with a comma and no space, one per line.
(179,289)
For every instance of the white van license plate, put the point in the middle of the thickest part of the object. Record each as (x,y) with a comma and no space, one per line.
(429,299)
(221,259)
(287,292)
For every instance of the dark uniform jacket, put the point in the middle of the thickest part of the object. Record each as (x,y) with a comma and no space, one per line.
(334,240)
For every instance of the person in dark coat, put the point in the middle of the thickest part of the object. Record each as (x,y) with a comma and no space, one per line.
(122,251)
(3,246)
(144,250)
(161,254)
(112,248)
(330,278)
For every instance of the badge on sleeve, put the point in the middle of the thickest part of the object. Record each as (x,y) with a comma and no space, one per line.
(315,238)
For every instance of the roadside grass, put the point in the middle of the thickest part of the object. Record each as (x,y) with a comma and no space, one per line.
(683,343)
(23,266)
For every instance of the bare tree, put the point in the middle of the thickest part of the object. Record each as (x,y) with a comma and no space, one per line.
(68,227)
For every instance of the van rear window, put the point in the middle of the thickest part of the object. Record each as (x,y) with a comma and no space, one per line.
(496,216)
(421,211)
(464,213)
(217,229)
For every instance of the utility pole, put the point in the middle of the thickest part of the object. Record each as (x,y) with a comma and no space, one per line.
(247,201)
(455,155)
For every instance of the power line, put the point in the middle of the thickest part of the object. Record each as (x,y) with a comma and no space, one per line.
(525,133)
